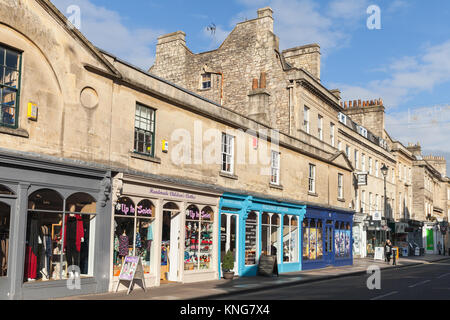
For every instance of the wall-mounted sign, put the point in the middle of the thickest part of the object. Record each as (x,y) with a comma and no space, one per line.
(165,146)
(376,216)
(32,111)
(362,179)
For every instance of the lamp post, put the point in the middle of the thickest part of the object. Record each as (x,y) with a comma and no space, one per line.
(384,171)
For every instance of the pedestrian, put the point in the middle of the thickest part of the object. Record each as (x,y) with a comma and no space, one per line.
(388,251)
(439,247)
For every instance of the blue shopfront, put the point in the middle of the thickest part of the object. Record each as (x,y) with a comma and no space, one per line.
(250,227)
(326,238)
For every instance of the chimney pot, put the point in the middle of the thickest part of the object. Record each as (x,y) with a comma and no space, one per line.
(262,80)
(345,104)
(255,84)
(350,104)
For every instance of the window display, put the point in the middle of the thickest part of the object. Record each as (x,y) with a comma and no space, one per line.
(58,241)
(5,215)
(250,238)
(199,238)
(312,239)
(133,232)
(342,238)
(290,239)
(270,225)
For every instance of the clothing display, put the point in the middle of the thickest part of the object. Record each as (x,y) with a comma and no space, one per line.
(74,231)
(32,251)
(4,247)
(123,245)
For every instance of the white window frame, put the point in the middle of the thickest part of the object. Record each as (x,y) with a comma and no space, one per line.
(332,139)
(363,201)
(320,126)
(227,143)
(363,162)
(342,118)
(376,168)
(306,119)
(370,165)
(275,168)
(340,186)
(347,151)
(312,178)
(356,159)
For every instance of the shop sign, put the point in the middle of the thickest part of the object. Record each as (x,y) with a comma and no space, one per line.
(362,179)
(194,215)
(144,211)
(174,194)
(268,208)
(131,270)
(377,216)
(122,208)
(379,253)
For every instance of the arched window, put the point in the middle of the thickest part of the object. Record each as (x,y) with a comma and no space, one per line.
(124,207)
(58,236)
(145,208)
(198,238)
(81,203)
(6,191)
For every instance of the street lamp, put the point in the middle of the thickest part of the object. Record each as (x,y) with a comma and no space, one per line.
(384,171)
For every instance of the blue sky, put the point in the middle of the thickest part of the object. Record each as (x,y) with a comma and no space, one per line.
(406,62)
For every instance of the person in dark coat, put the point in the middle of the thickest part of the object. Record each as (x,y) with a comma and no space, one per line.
(388,251)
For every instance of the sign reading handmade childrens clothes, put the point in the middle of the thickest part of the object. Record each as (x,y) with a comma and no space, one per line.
(131,270)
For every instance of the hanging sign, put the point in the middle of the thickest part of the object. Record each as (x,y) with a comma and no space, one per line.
(362,179)
(131,270)
(268,265)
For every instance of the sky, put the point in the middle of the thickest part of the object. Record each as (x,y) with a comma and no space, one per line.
(406,62)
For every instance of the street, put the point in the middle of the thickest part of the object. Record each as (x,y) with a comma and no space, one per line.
(427,281)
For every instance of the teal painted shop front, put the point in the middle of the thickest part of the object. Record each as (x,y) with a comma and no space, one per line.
(251,226)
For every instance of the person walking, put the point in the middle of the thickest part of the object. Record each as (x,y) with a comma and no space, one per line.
(388,251)
(439,247)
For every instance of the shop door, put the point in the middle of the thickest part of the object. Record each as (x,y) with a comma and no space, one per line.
(228,237)
(5,214)
(329,243)
(170,244)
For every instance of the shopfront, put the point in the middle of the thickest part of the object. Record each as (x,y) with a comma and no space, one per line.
(359,235)
(250,227)
(52,226)
(170,227)
(326,238)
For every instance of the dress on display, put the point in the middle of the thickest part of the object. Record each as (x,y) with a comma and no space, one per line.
(123,245)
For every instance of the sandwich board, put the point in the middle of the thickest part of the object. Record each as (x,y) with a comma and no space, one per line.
(131,270)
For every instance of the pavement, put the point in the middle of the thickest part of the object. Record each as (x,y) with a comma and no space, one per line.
(219,289)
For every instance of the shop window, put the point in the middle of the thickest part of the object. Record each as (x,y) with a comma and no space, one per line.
(59,241)
(251,225)
(5,216)
(275,168)
(270,226)
(342,238)
(5,191)
(133,232)
(199,238)
(144,130)
(10,62)
(290,239)
(312,239)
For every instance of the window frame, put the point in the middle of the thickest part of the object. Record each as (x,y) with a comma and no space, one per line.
(19,84)
(340,186)
(152,125)
(275,169)
(332,136)
(203,82)
(306,119)
(230,154)
(320,127)
(312,178)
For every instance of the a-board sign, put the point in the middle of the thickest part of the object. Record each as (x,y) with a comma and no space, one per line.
(379,253)
(131,270)
(268,265)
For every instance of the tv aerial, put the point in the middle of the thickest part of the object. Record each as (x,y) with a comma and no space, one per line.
(211,28)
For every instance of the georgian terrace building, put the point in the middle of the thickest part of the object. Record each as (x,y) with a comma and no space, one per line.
(249,74)
(101,160)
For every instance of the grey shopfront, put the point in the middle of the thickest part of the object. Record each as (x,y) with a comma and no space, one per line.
(54,228)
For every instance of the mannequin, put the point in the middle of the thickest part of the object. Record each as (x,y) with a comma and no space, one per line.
(73,236)
(46,251)
(32,249)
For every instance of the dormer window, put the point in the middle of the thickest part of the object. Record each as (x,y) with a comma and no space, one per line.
(342,118)
(362,131)
(206,81)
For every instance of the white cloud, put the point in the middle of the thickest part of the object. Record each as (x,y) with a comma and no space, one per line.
(406,77)
(106,30)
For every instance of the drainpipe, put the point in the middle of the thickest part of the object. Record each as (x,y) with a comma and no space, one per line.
(221,85)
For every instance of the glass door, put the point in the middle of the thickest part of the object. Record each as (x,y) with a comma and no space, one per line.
(329,243)
(228,237)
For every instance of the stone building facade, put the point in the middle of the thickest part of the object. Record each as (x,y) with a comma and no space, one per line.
(130,150)
(251,75)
